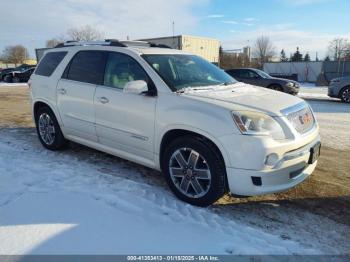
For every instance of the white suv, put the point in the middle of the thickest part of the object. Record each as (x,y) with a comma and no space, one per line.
(177,113)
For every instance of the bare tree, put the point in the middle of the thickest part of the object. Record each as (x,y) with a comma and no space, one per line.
(55,41)
(84,33)
(263,49)
(15,54)
(339,48)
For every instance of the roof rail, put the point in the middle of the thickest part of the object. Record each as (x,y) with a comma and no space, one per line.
(111,42)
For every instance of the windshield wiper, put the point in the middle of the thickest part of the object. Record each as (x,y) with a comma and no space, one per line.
(227,83)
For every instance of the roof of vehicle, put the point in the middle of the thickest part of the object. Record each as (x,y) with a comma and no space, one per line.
(139,47)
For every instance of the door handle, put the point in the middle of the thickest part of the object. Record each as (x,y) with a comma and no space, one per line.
(62,91)
(103,100)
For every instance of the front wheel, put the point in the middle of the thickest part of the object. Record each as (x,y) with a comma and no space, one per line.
(194,171)
(48,129)
(345,94)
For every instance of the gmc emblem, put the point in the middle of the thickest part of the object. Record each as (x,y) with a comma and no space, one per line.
(305,119)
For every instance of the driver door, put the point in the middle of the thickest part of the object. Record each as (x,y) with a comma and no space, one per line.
(125,121)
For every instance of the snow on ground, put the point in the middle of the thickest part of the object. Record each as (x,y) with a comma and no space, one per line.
(15,85)
(80,201)
(334,121)
(53,203)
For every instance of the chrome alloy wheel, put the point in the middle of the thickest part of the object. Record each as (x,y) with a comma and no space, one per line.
(190,172)
(346,95)
(46,129)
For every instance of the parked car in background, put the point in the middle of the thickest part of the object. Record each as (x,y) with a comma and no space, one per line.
(7,71)
(19,76)
(4,72)
(260,78)
(174,112)
(340,88)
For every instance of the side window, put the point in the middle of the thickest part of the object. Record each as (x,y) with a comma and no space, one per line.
(233,73)
(121,69)
(252,74)
(49,63)
(87,67)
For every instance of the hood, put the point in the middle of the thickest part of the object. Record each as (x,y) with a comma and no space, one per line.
(242,96)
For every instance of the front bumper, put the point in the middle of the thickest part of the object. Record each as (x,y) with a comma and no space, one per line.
(251,183)
(248,175)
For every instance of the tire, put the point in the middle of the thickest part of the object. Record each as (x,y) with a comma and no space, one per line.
(344,94)
(7,79)
(183,179)
(48,130)
(276,87)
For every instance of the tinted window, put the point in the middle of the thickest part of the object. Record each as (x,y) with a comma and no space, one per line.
(247,74)
(233,73)
(121,69)
(87,66)
(49,63)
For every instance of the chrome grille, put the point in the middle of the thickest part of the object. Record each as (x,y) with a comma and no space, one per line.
(302,120)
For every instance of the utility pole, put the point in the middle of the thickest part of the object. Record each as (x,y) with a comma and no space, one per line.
(173,34)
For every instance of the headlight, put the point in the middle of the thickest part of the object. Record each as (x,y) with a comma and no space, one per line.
(290,84)
(258,124)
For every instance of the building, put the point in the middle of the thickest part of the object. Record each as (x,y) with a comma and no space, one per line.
(208,48)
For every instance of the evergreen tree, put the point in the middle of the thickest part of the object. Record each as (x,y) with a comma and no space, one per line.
(283,56)
(327,58)
(307,57)
(297,56)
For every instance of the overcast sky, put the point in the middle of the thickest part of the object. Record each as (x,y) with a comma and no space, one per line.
(309,24)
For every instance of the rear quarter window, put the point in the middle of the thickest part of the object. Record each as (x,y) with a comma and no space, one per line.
(49,63)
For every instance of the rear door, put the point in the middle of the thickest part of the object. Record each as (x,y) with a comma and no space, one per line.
(76,90)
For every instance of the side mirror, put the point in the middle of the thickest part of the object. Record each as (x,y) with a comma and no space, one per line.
(136,87)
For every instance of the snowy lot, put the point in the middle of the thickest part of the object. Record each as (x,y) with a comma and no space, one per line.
(81,201)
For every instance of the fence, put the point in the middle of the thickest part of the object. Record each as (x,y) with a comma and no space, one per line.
(305,71)
(310,71)
(334,69)
(5,65)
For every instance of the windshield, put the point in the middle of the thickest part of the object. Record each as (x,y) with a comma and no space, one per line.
(182,71)
(262,74)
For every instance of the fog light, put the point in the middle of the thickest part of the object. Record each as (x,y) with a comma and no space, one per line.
(271,159)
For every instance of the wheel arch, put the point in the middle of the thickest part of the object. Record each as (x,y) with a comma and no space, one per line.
(42,103)
(171,134)
(342,89)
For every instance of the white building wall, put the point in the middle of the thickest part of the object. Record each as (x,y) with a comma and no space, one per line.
(207,48)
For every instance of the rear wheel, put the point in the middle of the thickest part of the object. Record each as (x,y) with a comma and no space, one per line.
(194,170)
(48,129)
(345,94)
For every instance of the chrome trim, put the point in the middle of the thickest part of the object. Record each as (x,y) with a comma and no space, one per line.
(299,152)
(295,108)
(144,138)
